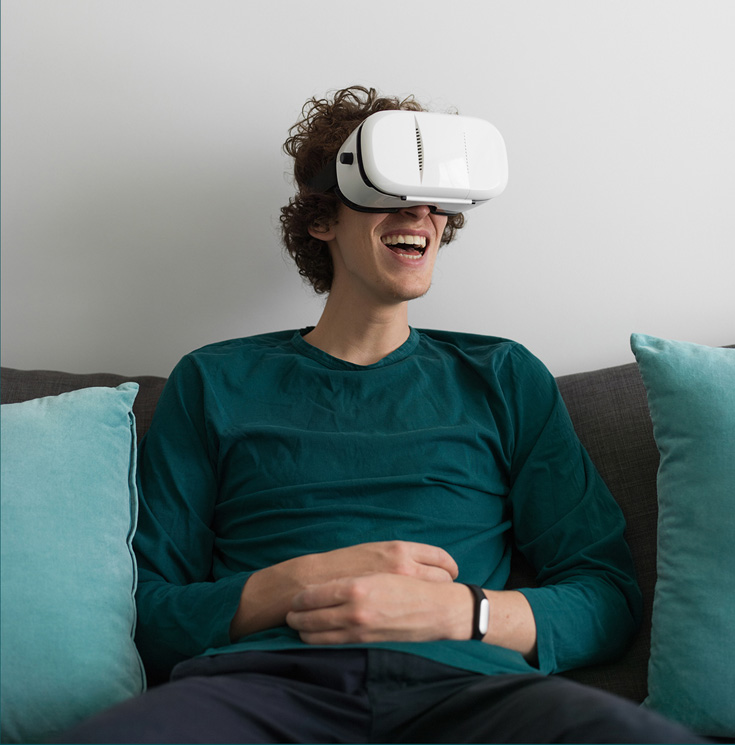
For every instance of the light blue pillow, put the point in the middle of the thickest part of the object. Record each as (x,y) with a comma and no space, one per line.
(69,510)
(691,397)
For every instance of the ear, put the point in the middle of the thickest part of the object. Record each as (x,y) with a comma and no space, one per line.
(321,232)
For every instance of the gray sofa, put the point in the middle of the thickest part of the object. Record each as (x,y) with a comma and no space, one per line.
(610,412)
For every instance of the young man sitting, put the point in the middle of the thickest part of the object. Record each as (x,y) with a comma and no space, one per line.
(327,515)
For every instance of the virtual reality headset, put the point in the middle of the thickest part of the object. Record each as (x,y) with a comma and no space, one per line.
(395,159)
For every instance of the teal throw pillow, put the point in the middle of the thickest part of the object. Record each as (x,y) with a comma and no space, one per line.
(691,397)
(69,510)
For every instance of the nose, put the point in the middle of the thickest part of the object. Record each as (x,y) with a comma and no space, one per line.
(418,211)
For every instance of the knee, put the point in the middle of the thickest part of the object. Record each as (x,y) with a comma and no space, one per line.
(584,714)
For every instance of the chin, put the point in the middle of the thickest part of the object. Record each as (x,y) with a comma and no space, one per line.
(404,294)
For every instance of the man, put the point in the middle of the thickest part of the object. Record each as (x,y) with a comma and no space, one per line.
(320,508)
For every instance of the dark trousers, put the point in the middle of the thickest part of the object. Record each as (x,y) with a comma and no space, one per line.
(367,696)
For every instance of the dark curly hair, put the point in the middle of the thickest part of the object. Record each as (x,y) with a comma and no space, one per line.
(314,141)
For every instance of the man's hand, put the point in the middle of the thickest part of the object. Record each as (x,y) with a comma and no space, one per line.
(389,591)
(381,607)
(390,607)
(267,596)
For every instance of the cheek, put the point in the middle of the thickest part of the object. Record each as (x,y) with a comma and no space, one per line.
(440,223)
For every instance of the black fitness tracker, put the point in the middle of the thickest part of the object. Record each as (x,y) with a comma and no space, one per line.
(481,617)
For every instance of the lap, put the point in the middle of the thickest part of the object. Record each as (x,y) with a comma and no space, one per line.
(356,696)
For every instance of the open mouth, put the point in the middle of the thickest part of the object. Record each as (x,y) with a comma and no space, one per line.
(410,246)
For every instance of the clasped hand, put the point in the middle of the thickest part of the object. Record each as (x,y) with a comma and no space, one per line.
(387,591)
(382,591)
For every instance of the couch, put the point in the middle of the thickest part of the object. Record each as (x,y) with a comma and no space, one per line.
(610,411)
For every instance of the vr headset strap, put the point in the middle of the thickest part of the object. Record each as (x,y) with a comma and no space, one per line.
(326,179)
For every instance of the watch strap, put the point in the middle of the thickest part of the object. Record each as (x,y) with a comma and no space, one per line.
(481,611)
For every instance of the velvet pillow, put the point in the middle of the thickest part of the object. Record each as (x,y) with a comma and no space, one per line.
(69,509)
(691,397)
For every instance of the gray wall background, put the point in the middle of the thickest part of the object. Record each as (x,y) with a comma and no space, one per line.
(142,174)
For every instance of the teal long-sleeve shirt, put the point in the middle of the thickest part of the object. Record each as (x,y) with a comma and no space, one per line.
(266,448)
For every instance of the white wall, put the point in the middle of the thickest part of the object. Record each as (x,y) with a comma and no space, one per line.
(142,171)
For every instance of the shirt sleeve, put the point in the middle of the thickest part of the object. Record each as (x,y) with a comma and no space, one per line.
(181,610)
(570,528)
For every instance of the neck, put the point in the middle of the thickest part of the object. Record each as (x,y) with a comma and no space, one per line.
(355,334)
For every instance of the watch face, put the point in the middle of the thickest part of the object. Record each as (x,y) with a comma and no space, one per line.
(484,619)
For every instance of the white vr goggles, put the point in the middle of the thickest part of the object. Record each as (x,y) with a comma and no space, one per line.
(396,159)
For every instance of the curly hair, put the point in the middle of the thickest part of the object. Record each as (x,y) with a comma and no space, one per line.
(313,141)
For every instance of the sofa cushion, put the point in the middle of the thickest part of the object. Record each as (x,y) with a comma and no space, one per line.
(691,394)
(69,507)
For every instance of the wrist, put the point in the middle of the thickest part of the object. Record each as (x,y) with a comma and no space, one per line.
(265,599)
(458,605)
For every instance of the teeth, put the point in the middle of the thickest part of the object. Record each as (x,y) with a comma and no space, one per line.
(410,240)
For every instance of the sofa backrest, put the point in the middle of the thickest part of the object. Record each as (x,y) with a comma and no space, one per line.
(23,385)
(609,410)
(610,413)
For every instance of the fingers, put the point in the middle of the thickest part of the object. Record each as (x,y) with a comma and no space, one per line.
(327,595)
(434,563)
(330,613)
(433,574)
(419,560)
